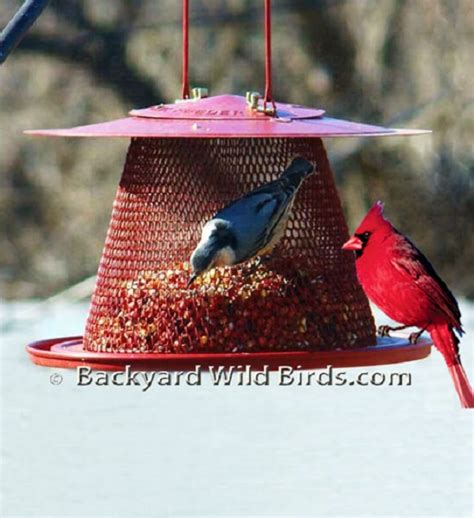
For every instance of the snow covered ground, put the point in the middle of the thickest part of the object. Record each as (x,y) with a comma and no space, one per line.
(227,450)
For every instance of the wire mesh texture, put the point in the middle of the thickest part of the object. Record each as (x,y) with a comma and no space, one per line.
(303,296)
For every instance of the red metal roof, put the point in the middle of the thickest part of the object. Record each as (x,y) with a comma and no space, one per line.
(225,116)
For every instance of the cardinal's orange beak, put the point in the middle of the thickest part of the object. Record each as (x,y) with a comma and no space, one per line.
(354,243)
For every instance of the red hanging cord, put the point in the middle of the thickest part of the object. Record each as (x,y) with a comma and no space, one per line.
(268,98)
(185,92)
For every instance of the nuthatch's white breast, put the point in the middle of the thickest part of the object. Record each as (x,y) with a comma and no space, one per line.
(251,225)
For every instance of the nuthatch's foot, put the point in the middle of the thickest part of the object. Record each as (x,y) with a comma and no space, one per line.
(266,258)
(413,338)
(260,260)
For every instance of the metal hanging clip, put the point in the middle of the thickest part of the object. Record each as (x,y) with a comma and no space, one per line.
(253,99)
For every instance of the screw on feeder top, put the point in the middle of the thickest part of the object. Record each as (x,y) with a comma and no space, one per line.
(268,97)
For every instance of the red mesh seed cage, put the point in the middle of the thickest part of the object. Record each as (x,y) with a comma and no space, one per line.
(301,305)
(305,296)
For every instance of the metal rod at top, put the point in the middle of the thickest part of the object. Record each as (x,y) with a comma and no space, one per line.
(268,97)
(185,91)
(268,53)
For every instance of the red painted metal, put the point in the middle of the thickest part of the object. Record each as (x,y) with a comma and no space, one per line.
(226,116)
(70,353)
(305,297)
(185,91)
(268,98)
(224,107)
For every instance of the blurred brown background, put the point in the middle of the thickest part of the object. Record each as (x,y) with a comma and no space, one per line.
(389,62)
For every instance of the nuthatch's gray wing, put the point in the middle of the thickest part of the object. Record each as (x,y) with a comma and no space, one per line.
(259,218)
(251,225)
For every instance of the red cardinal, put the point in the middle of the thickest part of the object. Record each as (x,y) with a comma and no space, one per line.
(399,279)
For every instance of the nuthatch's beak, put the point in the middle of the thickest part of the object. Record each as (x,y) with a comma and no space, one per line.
(354,243)
(192,279)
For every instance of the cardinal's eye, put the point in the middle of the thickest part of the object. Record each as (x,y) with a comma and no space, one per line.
(364,237)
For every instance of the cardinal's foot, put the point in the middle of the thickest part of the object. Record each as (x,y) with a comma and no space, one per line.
(414,337)
(384,330)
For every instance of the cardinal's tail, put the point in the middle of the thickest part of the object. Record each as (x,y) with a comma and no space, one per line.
(447,343)
(464,389)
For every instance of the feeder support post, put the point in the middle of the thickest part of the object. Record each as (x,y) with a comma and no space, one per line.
(13,33)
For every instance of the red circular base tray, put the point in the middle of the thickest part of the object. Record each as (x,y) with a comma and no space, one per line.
(69,353)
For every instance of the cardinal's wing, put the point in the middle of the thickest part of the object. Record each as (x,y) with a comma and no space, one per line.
(409,261)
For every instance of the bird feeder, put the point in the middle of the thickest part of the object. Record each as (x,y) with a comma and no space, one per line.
(302,306)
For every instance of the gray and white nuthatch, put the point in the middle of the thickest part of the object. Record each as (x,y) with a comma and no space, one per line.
(251,225)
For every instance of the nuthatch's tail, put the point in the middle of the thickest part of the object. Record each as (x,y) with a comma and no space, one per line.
(299,169)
